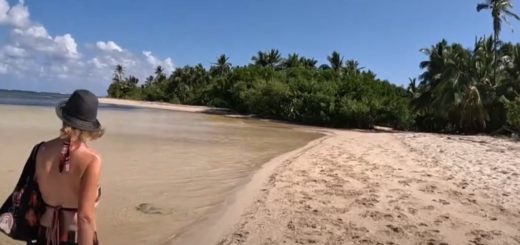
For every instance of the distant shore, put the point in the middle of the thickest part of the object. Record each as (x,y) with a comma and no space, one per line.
(166,106)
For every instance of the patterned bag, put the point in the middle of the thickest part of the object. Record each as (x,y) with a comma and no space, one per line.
(19,215)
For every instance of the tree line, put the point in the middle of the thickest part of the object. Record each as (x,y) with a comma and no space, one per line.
(461,90)
(339,94)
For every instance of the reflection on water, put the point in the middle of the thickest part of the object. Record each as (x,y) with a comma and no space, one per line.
(162,170)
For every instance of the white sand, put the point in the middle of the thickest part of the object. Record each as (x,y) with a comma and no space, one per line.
(159,105)
(381,188)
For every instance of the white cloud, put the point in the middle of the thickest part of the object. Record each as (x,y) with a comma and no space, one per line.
(4,7)
(14,52)
(31,55)
(167,64)
(66,45)
(17,15)
(36,31)
(98,64)
(108,46)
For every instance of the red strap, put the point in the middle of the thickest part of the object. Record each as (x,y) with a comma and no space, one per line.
(65,157)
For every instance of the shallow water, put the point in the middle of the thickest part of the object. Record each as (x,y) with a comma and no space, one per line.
(162,170)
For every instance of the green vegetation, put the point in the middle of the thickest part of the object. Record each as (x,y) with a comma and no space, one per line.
(460,91)
(292,89)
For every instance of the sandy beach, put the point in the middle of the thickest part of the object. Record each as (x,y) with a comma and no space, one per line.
(364,187)
(356,187)
(164,106)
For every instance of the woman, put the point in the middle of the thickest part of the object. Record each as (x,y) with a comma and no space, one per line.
(67,173)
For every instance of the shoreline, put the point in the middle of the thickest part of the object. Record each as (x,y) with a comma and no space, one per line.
(214,228)
(167,106)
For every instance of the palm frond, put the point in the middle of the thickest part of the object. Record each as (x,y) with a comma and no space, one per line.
(483,6)
(512,14)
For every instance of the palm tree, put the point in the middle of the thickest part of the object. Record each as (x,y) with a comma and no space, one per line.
(451,87)
(272,58)
(260,59)
(352,67)
(500,12)
(159,74)
(336,61)
(119,74)
(412,87)
(308,62)
(222,65)
(293,60)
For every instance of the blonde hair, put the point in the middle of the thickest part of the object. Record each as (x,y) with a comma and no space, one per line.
(68,132)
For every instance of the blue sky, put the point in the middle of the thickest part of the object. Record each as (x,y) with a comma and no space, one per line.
(59,45)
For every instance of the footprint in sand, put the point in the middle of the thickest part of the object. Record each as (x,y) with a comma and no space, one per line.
(368,202)
(441,201)
(480,236)
(428,189)
(148,208)
(376,215)
(395,230)
(441,219)
(412,211)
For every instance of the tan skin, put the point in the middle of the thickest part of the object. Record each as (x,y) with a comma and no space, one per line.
(77,188)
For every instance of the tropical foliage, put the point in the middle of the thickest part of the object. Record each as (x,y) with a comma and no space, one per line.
(470,90)
(290,88)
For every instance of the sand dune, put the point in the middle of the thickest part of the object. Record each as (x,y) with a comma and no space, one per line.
(383,188)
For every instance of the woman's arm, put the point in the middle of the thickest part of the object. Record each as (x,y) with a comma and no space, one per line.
(87,203)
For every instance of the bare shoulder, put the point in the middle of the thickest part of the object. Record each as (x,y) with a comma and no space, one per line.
(92,156)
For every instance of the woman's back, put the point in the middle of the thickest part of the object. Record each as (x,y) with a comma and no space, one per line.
(61,189)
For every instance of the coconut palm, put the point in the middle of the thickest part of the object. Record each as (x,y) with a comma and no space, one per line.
(293,60)
(159,74)
(119,73)
(452,85)
(272,58)
(308,62)
(500,12)
(260,59)
(222,65)
(352,67)
(336,61)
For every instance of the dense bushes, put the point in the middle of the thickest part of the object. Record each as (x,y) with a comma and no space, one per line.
(291,89)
